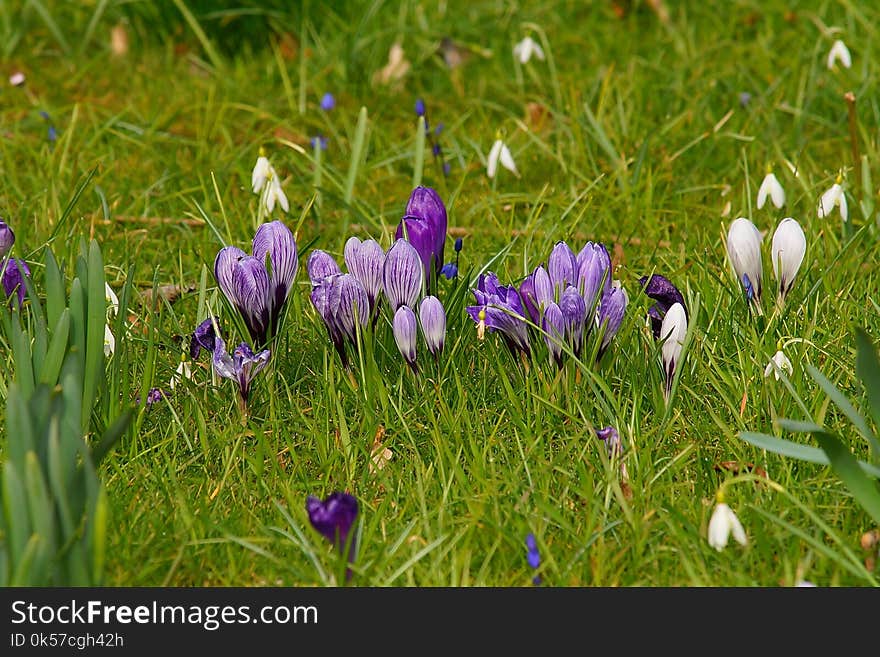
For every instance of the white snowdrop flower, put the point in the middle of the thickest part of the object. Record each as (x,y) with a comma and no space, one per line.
(109,342)
(672,331)
(111,299)
(839,51)
(744,250)
(771,187)
(275,193)
(524,50)
(722,524)
(265,181)
(261,173)
(777,365)
(787,251)
(500,152)
(183,371)
(833,196)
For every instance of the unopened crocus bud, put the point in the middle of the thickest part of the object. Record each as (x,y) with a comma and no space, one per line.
(7,238)
(562,267)
(14,273)
(402,275)
(672,332)
(433,319)
(611,311)
(744,250)
(405,334)
(320,265)
(788,249)
(574,310)
(554,332)
(366,262)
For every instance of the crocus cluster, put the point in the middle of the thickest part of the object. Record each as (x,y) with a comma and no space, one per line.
(257,285)
(350,302)
(563,303)
(788,248)
(424,226)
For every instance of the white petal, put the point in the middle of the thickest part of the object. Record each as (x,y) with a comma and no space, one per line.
(111,299)
(507,159)
(787,252)
(492,160)
(829,199)
(260,173)
(673,331)
(841,52)
(719,527)
(520,51)
(270,198)
(844,213)
(744,251)
(770,369)
(736,528)
(539,53)
(109,342)
(770,186)
(280,195)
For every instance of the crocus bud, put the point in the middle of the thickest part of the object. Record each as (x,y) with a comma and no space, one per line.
(433,319)
(530,302)
(7,239)
(333,518)
(554,331)
(402,275)
(224,267)
(672,332)
(665,294)
(250,286)
(404,330)
(458,244)
(420,107)
(788,249)
(562,267)
(611,311)
(744,250)
(575,313)
(366,262)
(353,313)
(14,274)
(593,273)
(543,287)
(320,265)
(275,247)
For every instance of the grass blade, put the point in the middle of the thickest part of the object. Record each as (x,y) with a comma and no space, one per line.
(847,468)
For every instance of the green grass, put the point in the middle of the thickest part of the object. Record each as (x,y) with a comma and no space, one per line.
(643,144)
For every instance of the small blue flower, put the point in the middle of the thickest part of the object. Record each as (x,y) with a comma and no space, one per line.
(533,557)
(319,141)
(438,129)
(747,285)
(449,270)
(52,134)
(420,107)
(435,149)
(44,114)
(744,98)
(328,102)
(458,245)
(446,168)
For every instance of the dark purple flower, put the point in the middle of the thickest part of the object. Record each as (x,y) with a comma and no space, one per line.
(554,332)
(366,262)
(52,134)
(154,395)
(242,367)
(333,518)
(258,286)
(424,225)
(420,107)
(447,167)
(433,319)
(744,99)
(665,294)
(14,273)
(435,149)
(612,308)
(529,299)
(202,338)
(328,102)
(612,441)
(343,304)
(7,239)
(320,265)
(405,332)
(402,275)
(533,557)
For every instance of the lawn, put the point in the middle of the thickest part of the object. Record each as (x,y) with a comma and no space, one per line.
(648,127)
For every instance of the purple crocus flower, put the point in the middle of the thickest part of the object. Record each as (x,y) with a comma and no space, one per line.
(593,273)
(366,262)
(612,441)
(328,102)
(333,518)
(433,319)
(562,267)
(424,225)
(325,298)
(320,265)
(405,334)
(7,239)
(242,367)
(342,303)
(554,332)
(202,338)
(574,312)
(402,275)
(612,308)
(665,294)
(533,557)
(500,308)
(529,299)
(14,273)
(154,395)
(258,285)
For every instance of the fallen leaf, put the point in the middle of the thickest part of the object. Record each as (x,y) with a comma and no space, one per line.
(119,40)
(169,293)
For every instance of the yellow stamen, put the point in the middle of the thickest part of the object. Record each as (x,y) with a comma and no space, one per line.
(481,326)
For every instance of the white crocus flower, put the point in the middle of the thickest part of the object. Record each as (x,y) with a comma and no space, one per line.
(524,50)
(111,299)
(672,331)
(834,196)
(787,251)
(109,342)
(744,250)
(501,152)
(771,187)
(777,365)
(839,51)
(722,524)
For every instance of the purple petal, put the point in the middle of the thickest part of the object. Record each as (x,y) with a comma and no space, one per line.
(250,285)
(14,273)
(574,310)
(7,239)
(594,273)
(366,262)
(334,517)
(543,287)
(433,319)
(320,265)
(562,267)
(611,311)
(404,328)
(275,240)
(202,338)
(402,275)
(353,312)
(554,331)
(665,294)
(224,266)
(425,203)
(530,302)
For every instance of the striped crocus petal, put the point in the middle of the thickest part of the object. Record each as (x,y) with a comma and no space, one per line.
(433,319)
(530,301)
(612,308)
(402,275)
(320,265)
(554,332)
(275,247)
(574,311)
(594,273)
(224,265)
(222,362)
(7,238)
(325,298)
(562,267)
(366,262)
(404,328)
(420,234)
(543,286)
(15,271)
(353,311)
(247,365)
(250,285)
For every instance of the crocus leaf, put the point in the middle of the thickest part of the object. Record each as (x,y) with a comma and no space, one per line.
(868,370)
(796,450)
(847,468)
(846,406)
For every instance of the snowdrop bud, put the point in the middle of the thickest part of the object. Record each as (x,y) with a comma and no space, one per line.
(722,524)
(744,250)
(788,249)
(839,51)
(771,187)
